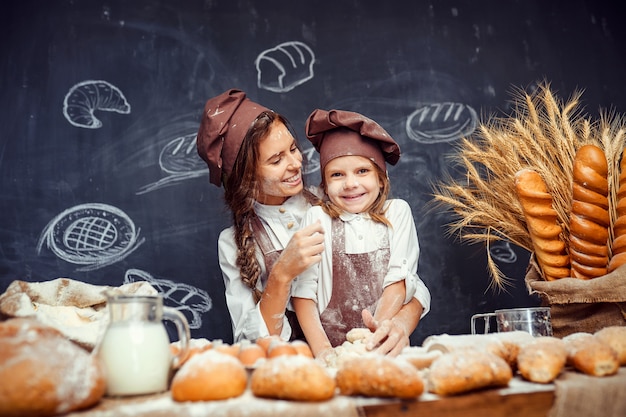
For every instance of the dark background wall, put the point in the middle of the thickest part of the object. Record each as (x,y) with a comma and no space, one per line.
(129,199)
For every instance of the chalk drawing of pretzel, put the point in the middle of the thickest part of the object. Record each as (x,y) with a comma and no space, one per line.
(86,97)
(285,66)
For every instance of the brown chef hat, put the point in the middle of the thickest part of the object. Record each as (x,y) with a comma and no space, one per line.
(225,122)
(337,133)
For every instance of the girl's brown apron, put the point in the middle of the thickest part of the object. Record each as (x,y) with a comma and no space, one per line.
(270,255)
(357,285)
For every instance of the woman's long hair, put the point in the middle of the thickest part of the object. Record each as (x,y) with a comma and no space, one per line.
(242,190)
(376,210)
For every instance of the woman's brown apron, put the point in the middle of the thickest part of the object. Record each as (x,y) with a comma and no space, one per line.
(270,255)
(357,285)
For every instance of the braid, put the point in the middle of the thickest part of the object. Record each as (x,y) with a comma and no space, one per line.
(247,261)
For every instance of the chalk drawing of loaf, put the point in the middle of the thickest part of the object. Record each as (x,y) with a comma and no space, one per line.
(83,99)
(441,122)
(93,234)
(189,300)
(179,160)
(285,66)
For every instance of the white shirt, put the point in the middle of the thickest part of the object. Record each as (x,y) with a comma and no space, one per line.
(281,222)
(362,234)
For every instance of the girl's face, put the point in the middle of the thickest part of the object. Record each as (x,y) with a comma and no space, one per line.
(352,183)
(279,169)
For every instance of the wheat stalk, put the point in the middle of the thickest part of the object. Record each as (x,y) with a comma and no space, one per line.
(543,133)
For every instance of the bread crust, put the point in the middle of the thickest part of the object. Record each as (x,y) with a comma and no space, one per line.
(618,248)
(589,217)
(542,360)
(541,221)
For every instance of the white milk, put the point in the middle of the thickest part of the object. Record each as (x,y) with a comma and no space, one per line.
(137,358)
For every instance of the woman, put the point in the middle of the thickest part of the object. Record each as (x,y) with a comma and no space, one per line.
(251,151)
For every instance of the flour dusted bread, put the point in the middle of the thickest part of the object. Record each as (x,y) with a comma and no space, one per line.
(292,377)
(615,337)
(42,373)
(542,360)
(466,370)
(541,221)
(589,217)
(376,375)
(589,355)
(209,375)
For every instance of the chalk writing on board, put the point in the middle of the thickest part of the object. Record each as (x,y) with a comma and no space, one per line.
(312,161)
(83,99)
(180,161)
(501,251)
(285,66)
(189,300)
(94,235)
(441,122)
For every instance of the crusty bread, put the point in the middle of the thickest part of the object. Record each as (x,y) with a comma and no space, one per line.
(618,248)
(43,373)
(590,355)
(292,377)
(589,217)
(614,336)
(542,360)
(541,221)
(467,370)
(209,375)
(379,376)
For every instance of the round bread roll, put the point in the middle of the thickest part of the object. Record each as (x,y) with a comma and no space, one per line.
(542,360)
(292,377)
(209,375)
(43,373)
(379,376)
(591,356)
(614,336)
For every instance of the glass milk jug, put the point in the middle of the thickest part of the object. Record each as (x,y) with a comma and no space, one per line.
(135,347)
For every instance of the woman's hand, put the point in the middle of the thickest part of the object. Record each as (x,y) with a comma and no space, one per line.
(303,250)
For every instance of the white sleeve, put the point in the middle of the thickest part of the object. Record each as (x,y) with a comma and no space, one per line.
(404,253)
(245,315)
(305,285)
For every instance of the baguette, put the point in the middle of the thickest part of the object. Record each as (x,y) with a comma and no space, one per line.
(618,257)
(541,220)
(589,217)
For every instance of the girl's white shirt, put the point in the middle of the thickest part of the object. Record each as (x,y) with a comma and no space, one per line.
(281,222)
(362,234)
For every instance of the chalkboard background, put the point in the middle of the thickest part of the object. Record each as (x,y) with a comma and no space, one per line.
(128,199)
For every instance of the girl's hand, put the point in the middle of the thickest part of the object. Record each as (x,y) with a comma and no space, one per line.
(390,336)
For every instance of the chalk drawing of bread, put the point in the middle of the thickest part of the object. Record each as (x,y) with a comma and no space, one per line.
(93,234)
(441,122)
(180,156)
(83,99)
(285,66)
(193,302)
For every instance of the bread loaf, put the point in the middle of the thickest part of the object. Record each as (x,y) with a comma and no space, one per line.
(292,377)
(618,257)
(209,375)
(589,217)
(541,221)
(589,355)
(465,370)
(42,373)
(615,337)
(379,376)
(542,360)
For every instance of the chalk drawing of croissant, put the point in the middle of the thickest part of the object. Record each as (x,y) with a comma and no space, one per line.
(83,99)
(285,66)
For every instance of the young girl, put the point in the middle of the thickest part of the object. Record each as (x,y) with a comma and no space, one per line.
(370,262)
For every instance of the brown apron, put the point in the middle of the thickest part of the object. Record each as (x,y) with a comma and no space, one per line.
(270,255)
(357,285)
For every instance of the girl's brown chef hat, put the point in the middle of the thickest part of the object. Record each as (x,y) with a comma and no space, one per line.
(336,133)
(225,122)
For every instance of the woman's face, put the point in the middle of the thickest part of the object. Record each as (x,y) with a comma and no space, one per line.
(352,183)
(279,169)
